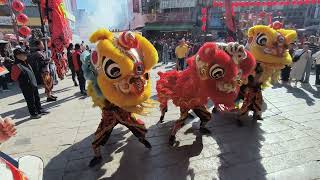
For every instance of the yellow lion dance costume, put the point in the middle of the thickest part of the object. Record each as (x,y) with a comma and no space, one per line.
(119,83)
(269,45)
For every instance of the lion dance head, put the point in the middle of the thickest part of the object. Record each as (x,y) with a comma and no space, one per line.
(121,65)
(269,45)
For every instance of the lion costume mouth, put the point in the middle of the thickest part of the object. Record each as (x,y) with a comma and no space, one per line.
(280,52)
(134,85)
(226,87)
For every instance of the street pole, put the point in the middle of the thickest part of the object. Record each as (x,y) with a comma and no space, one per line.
(43,29)
(14,21)
(229,20)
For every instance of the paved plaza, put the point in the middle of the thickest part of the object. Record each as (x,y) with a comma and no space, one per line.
(285,145)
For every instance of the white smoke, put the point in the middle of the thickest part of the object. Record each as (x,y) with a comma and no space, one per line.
(111,14)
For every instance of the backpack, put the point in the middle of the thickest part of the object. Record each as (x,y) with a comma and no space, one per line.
(296,57)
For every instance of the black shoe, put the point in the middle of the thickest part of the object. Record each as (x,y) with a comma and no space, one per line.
(145,143)
(94,161)
(161,119)
(54,97)
(172,140)
(84,93)
(76,84)
(36,116)
(50,99)
(204,130)
(257,117)
(43,112)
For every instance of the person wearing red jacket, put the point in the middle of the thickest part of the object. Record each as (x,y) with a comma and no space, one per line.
(77,68)
(23,73)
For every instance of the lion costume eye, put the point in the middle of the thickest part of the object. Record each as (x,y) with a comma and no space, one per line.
(111,69)
(216,72)
(261,39)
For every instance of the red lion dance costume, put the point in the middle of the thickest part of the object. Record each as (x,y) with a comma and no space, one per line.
(215,72)
(60,32)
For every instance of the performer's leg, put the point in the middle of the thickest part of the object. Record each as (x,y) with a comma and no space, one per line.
(243,111)
(163,109)
(205,117)
(48,84)
(138,128)
(101,136)
(257,106)
(178,125)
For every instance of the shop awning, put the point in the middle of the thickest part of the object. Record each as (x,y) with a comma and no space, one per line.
(168,27)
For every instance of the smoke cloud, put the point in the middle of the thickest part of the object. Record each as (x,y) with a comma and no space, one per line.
(111,14)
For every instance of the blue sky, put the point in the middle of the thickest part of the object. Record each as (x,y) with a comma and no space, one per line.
(86,4)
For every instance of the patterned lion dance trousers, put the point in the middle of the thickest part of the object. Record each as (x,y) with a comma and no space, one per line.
(201,112)
(111,116)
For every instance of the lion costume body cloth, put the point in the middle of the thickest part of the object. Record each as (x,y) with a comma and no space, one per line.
(118,72)
(215,73)
(269,45)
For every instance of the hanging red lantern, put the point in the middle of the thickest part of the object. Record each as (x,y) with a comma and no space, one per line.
(204,19)
(306,2)
(22,18)
(287,3)
(203,28)
(269,3)
(235,4)
(203,11)
(314,1)
(24,30)
(293,2)
(3,2)
(17,5)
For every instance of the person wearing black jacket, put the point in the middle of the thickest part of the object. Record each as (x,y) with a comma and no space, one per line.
(23,73)
(43,61)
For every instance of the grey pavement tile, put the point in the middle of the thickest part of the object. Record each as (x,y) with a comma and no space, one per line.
(83,175)
(309,170)
(314,124)
(289,160)
(53,174)
(301,143)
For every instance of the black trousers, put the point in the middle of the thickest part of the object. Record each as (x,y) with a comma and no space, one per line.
(3,82)
(181,63)
(318,74)
(82,81)
(285,73)
(31,95)
(73,73)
